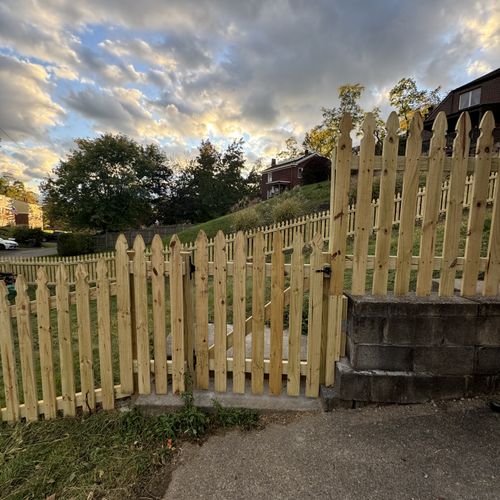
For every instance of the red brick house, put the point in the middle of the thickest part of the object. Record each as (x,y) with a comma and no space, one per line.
(476,97)
(290,173)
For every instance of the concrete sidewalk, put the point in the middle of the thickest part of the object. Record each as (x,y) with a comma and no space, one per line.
(445,451)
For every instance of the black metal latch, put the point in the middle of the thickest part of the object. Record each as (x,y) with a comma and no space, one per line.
(326,270)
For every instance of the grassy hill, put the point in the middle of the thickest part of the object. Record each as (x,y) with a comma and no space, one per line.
(304,199)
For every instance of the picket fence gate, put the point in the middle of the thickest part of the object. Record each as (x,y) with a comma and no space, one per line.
(169,312)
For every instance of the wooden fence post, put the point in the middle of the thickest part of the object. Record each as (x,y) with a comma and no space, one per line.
(188,304)
(220,318)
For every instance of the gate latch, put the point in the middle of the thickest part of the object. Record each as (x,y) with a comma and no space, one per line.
(326,270)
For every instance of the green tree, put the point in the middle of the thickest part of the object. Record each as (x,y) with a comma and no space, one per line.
(292,149)
(407,98)
(107,183)
(16,189)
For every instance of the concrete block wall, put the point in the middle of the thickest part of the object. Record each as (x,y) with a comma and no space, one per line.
(412,349)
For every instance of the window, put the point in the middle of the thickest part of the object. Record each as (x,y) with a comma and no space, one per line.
(299,173)
(471,98)
(270,177)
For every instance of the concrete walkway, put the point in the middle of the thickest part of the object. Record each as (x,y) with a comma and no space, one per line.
(448,451)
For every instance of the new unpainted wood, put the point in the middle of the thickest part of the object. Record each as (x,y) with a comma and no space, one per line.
(177,316)
(258,299)
(492,274)
(458,173)
(123,307)
(104,335)
(84,339)
(363,205)
(188,304)
(45,345)
(437,152)
(276,336)
(25,336)
(239,313)
(65,342)
(141,316)
(295,319)
(8,358)
(220,317)
(386,206)
(315,318)
(159,319)
(484,149)
(408,205)
(201,310)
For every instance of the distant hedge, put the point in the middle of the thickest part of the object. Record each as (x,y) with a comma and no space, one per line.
(28,237)
(75,244)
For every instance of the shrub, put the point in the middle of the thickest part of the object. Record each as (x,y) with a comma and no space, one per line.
(245,220)
(75,244)
(288,208)
(30,237)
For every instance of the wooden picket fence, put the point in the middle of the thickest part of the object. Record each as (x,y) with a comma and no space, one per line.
(233,319)
(307,226)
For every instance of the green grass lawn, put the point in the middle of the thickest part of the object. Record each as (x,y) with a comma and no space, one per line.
(111,455)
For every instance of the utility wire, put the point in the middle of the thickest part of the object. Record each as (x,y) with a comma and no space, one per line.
(11,138)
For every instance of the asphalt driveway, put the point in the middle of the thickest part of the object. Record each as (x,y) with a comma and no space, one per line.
(28,252)
(445,451)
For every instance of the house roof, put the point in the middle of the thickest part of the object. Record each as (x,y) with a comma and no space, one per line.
(292,162)
(477,81)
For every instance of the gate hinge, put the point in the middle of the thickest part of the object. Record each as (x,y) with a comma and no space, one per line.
(326,270)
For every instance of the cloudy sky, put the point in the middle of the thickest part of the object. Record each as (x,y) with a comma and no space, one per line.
(176,71)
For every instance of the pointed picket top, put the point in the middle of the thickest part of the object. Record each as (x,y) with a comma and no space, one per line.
(202,236)
(317,241)
(220,239)
(440,123)
(239,240)
(485,140)
(41,277)
(61,273)
(277,241)
(81,273)
(345,125)
(157,244)
(121,243)
(461,142)
(102,269)
(439,128)
(174,242)
(368,126)
(21,285)
(4,292)
(139,245)
(392,125)
(416,125)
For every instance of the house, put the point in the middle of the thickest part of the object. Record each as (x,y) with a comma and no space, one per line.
(310,167)
(476,97)
(20,213)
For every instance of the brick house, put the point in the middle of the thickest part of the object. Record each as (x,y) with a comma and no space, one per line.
(20,213)
(290,173)
(476,97)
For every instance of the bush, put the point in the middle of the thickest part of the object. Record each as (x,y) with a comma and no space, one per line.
(245,220)
(75,244)
(288,208)
(29,237)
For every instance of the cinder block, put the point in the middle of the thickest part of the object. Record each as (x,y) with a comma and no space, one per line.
(488,330)
(367,329)
(488,360)
(444,360)
(481,384)
(368,305)
(380,357)
(331,401)
(351,385)
(432,306)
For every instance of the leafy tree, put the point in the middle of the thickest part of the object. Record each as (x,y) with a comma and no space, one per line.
(407,98)
(107,183)
(16,189)
(292,149)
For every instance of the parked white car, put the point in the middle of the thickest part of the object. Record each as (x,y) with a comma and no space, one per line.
(9,244)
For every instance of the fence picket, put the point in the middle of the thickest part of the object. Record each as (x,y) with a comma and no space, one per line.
(239,313)
(458,174)
(277,304)
(141,316)
(177,316)
(104,334)
(408,205)
(45,345)
(315,318)
(386,208)
(437,153)
(492,274)
(65,343)
(295,320)
(258,299)
(201,310)
(123,308)
(8,358)
(364,196)
(478,205)
(84,338)
(220,321)
(188,304)
(159,319)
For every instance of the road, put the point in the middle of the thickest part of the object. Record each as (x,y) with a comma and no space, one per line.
(28,252)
